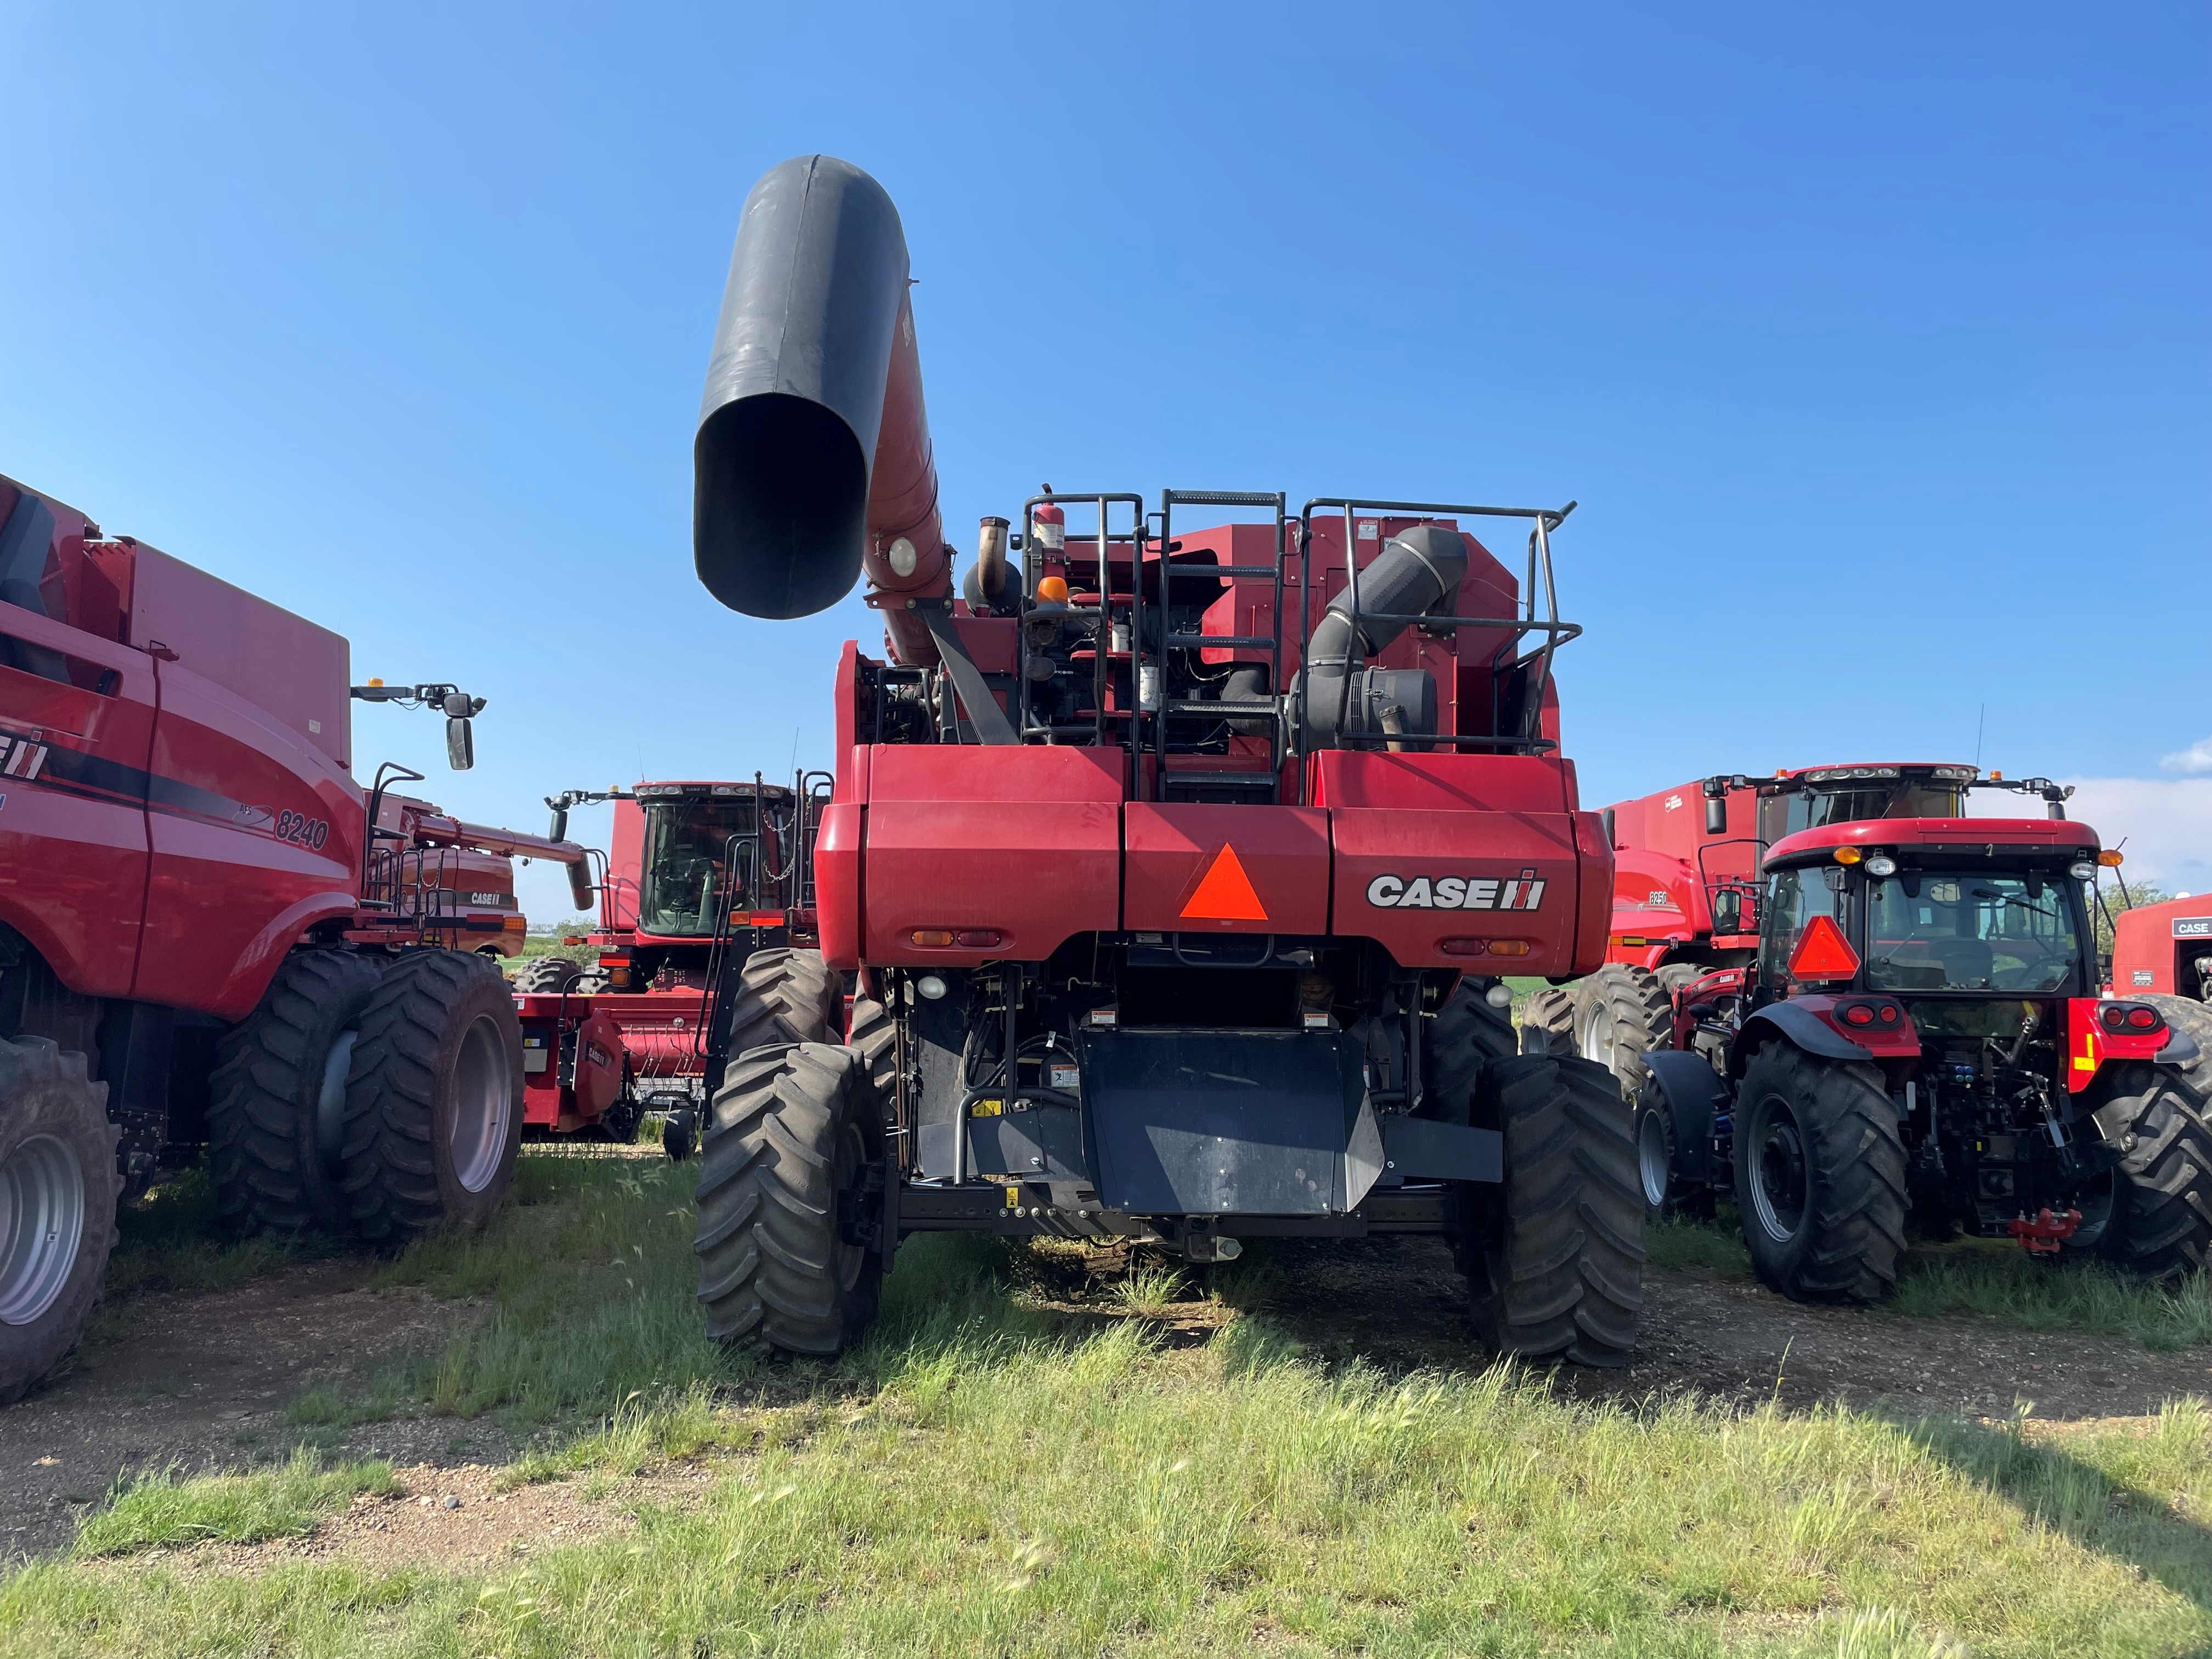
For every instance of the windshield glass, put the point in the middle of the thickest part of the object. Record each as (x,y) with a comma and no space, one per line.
(1785,815)
(1936,930)
(1794,897)
(686,843)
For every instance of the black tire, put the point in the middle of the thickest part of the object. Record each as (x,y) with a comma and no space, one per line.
(784,1267)
(2193,1019)
(875,1035)
(2162,1210)
(1621,1014)
(1673,975)
(1548,1020)
(1466,1036)
(783,995)
(548,976)
(1555,1258)
(591,983)
(1820,1176)
(1665,1194)
(276,1098)
(58,1187)
(679,1134)
(433,1101)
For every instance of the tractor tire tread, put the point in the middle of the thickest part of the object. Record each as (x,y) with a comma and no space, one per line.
(2163,1221)
(1858,1197)
(48,1088)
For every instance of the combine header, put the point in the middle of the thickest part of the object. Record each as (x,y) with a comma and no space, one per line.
(1177,865)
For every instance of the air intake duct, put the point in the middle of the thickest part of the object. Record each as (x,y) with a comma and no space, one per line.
(812,460)
(1419,570)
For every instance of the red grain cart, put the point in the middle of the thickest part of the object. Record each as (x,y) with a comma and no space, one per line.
(202,941)
(1174,865)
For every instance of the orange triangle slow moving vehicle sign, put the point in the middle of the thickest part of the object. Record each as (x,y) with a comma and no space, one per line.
(1823,952)
(1224,893)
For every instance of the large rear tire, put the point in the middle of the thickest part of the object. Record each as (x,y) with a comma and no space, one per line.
(2193,1019)
(2161,1220)
(58,1186)
(548,976)
(1620,1014)
(433,1101)
(276,1106)
(788,1262)
(783,995)
(1555,1258)
(1820,1176)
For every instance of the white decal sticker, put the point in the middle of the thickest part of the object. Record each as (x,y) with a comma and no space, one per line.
(1674,801)
(1522,892)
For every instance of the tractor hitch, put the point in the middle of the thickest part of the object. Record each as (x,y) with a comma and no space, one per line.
(2043,1235)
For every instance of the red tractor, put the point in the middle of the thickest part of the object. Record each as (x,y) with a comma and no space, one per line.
(700,875)
(2162,955)
(1686,883)
(1919,1032)
(211,936)
(1174,868)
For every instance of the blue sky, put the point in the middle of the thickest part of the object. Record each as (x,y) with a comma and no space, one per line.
(1872,340)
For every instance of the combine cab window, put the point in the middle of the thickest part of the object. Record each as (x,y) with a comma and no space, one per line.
(1794,897)
(1938,930)
(687,846)
(1785,815)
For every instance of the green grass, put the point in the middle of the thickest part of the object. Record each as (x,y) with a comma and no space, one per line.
(162,1508)
(987,1474)
(168,1240)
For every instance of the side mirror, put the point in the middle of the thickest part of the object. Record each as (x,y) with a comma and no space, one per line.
(1702,1011)
(1609,839)
(461,744)
(1728,910)
(1716,814)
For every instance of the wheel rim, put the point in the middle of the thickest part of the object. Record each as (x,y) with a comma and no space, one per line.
(1653,1159)
(482,1105)
(1779,1189)
(1597,1038)
(852,1158)
(330,1103)
(41,1226)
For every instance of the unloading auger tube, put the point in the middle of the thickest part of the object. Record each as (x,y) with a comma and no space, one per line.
(813,457)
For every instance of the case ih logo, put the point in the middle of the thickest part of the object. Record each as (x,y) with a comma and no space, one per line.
(1522,892)
(21,758)
(2193,928)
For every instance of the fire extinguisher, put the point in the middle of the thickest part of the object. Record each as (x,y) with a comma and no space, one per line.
(1048,528)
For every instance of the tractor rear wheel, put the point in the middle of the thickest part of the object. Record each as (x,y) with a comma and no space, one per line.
(1555,1259)
(2193,1019)
(2161,1220)
(434,1100)
(1820,1176)
(783,995)
(548,976)
(1467,1034)
(1620,1014)
(276,1104)
(591,983)
(789,1258)
(58,1186)
(1548,1020)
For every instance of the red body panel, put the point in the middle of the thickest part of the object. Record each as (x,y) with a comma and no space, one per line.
(1024,842)
(2155,946)
(596,1080)
(625,859)
(1461,848)
(1281,853)
(2089,1045)
(1936,832)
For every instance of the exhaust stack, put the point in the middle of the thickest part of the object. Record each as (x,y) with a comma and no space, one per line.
(812,462)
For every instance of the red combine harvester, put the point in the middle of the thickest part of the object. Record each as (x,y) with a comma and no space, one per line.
(202,939)
(701,875)
(1686,883)
(1920,1029)
(1176,866)
(2162,955)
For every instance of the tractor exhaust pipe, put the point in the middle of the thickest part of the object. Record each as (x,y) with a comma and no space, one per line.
(812,461)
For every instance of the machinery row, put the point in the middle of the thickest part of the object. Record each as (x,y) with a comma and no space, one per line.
(1164,886)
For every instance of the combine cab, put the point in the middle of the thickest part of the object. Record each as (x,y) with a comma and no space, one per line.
(1174,864)
(1919,1033)
(701,875)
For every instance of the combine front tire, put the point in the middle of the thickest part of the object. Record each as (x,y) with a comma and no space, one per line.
(1548,1020)
(783,995)
(789,1258)
(1620,1014)
(1556,1259)
(548,976)
(1467,1036)
(434,1101)
(2162,1198)
(277,1107)
(1820,1176)
(57,1193)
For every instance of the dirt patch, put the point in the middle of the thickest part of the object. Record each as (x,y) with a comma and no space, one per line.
(201,1381)
(1401,1302)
